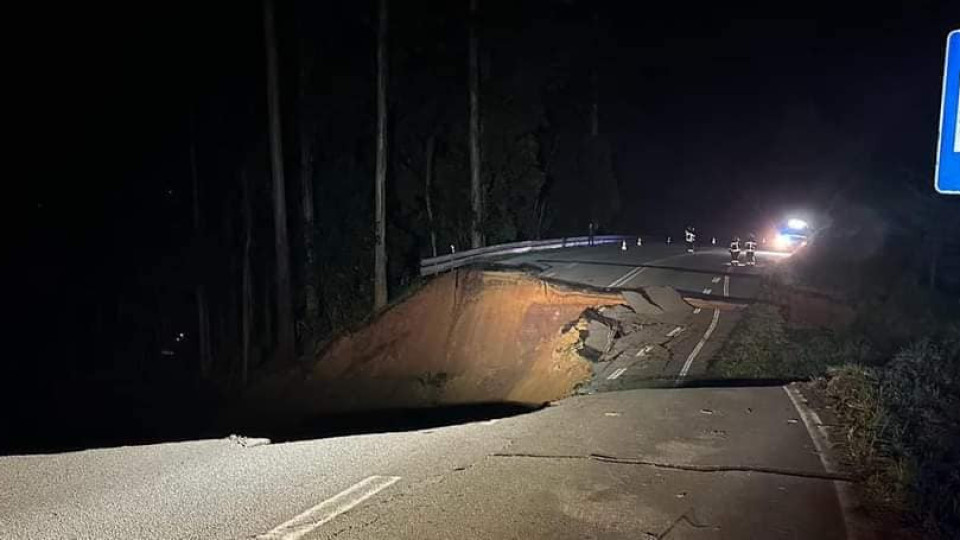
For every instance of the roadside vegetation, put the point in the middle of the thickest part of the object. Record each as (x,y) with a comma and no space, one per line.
(869,315)
(896,408)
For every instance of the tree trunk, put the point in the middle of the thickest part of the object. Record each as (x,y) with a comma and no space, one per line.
(311,300)
(285,336)
(246,287)
(203,315)
(476,193)
(427,188)
(595,79)
(380,250)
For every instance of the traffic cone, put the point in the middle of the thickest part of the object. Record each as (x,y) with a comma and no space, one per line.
(714,240)
(669,240)
(639,241)
(623,247)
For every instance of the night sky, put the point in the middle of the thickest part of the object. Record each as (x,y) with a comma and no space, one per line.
(722,116)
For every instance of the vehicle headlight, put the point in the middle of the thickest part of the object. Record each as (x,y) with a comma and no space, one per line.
(781,241)
(795,223)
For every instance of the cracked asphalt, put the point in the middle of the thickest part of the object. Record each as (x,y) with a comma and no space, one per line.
(671,462)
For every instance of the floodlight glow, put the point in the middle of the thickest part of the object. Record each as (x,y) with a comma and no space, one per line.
(795,223)
(781,241)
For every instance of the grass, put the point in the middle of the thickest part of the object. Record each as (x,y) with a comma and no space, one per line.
(898,407)
(763,346)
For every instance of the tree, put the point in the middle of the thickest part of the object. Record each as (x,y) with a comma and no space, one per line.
(246,284)
(306,127)
(380,249)
(476,192)
(203,314)
(285,335)
(429,153)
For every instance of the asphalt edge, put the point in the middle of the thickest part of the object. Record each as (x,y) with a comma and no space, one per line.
(856,527)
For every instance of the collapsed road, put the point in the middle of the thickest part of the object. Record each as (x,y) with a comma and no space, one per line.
(618,459)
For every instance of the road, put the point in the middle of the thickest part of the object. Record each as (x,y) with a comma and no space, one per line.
(623,461)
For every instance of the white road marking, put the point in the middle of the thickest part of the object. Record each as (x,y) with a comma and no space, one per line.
(616,374)
(726,285)
(700,344)
(626,277)
(549,274)
(675,331)
(707,290)
(716,279)
(643,351)
(344,501)
(697,311)
(817,433)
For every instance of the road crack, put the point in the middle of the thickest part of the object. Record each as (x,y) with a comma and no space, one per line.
(686,467)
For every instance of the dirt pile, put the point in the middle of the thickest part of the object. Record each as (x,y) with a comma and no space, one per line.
(468,336)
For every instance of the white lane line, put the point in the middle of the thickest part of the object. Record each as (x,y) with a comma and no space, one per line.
(316,516)
(706,335)
(626,277)
(675,331)
(708,290)
(549,274)
(817,433)
(643,351)
(697,311)
(716,279)
(616,374)
(700,344)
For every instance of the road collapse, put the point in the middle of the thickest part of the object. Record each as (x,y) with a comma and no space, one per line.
(473,336)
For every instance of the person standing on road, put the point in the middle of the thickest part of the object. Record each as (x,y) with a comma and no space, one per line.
(591,230)
(751,250)
(735,251)
(690,235)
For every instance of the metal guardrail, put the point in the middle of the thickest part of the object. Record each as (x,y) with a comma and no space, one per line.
(442,263)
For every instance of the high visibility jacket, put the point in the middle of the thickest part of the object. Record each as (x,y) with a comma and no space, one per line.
(734,246)
(751,246)
(690,236)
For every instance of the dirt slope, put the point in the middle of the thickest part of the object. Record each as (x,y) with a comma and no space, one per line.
(469,336)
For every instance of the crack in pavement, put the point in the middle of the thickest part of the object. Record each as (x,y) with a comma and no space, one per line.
(686,467)
(693,522)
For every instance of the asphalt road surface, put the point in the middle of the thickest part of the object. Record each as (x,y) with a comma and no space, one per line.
(678,461)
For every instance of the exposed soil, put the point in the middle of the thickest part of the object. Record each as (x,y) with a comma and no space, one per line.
(467,337)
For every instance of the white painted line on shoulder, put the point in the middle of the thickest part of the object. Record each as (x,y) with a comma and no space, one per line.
(675,331)
(818,435)
(316,516)
(616,374)
(697,311)
(716,279)
(549,274)
(707,290)
(696,350)
(726,285)
(644,350)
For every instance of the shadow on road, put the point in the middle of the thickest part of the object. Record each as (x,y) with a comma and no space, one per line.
(99,423)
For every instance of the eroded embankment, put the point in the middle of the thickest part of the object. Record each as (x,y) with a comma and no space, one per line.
(468,336)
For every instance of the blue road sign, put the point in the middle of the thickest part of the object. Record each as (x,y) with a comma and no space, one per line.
(948,146)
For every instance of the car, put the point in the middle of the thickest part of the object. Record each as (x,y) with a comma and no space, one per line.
(792,235)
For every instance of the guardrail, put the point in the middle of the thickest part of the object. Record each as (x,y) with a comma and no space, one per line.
(442,263)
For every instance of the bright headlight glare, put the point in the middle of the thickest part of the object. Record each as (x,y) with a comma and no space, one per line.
(795,223)
(781,241)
